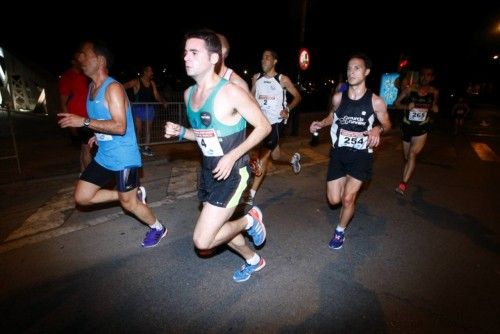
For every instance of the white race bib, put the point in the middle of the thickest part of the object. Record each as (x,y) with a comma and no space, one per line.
(208,141)
(418,115)
(356,140)
(103,137)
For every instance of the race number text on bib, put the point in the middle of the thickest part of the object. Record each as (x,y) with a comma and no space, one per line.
(208,141)
(418,115)
(356,140)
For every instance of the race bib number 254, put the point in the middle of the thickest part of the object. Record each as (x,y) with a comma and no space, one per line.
(356,140)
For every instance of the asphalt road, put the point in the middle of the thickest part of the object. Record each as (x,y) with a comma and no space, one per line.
(424,263)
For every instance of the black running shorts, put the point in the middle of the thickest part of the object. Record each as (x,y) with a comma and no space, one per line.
(346,161)
(225,193)
(408,131)
(126,179)
(273,138)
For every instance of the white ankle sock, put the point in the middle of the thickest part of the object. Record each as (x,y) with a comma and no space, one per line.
(340,229)
(254,260)
(157,225)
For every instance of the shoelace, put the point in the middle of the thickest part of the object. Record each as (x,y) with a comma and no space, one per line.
(247,268)
(153,234)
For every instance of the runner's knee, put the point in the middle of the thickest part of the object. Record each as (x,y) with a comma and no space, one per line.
(333,199)
(348,200)
(128,204)
(82,199)
(201,243)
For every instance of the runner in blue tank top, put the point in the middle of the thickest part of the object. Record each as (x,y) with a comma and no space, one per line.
(218,111)
(354,135)
(110,117)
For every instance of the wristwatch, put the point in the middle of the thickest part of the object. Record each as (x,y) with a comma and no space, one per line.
(86,122)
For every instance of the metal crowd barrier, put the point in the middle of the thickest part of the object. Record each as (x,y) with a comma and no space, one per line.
(9,124)
(158,114)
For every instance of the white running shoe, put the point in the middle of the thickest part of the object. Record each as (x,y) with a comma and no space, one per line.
(295,162)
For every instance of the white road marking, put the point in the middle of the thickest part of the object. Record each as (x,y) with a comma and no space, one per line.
(49,216)
(484,152)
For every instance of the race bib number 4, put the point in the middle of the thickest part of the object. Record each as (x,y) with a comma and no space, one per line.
(208,141)
(417,115)
(356,140)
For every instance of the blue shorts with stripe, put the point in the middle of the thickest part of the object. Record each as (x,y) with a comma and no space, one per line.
(126,179)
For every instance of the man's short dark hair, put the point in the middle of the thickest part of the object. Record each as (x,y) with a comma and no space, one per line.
(272,52)
(364,57)
(101,49)
(427,67)
(210,37)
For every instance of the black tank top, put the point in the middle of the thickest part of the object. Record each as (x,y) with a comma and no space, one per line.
(419,115)
(351,119)
(145,94)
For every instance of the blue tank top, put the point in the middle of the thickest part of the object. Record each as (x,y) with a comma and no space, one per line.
(115,152)
(215,138)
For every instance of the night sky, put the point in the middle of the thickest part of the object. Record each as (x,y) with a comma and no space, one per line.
(458,41)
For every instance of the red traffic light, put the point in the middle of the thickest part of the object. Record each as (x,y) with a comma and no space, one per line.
(403,63)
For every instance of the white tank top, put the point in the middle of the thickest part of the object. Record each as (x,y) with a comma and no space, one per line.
(227,74)
(271,97)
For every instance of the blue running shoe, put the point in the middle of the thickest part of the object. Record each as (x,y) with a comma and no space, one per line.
(337,240)
(154,236)
(141,194)
(257,231)
(247,270)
